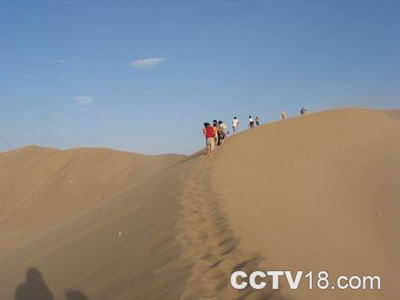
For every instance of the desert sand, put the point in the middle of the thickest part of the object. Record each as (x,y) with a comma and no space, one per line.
(316,192)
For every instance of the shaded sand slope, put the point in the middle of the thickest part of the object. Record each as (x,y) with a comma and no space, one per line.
(320,192)
(118,248)
(45,190)
(40,186)
(62,212)
(162,238)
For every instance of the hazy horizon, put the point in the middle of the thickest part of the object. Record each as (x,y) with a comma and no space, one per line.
(143,76)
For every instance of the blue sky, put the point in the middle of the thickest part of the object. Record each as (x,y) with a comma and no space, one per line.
(144,75)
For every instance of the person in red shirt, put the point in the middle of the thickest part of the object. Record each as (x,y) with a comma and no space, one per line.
(209,133)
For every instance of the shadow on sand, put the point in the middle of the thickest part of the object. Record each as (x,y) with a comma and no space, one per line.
(35,288)
(75,295)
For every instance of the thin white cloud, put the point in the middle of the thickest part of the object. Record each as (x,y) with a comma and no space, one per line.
(58,114)
(147,63)
(64,61)
(84,99)
(83,109)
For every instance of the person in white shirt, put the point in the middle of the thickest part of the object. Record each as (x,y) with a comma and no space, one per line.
(223,127)
(283,115)
(251,122)
(235,124)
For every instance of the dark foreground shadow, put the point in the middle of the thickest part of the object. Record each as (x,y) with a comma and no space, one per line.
(75,295)
(35,288)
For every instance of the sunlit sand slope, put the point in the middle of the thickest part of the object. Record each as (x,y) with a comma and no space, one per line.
(319,192)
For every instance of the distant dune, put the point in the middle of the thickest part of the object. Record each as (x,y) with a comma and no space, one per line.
(40,186)
(317,192)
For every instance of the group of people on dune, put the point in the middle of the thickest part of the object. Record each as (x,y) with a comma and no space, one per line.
(303,111)
(216,133)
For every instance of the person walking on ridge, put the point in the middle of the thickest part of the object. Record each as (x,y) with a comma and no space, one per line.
(251,122)
(209,133)
(221,132)
(215,125)
(303,111)
(235,124)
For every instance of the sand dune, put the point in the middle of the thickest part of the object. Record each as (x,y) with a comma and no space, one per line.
(41,186)
(318,192)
